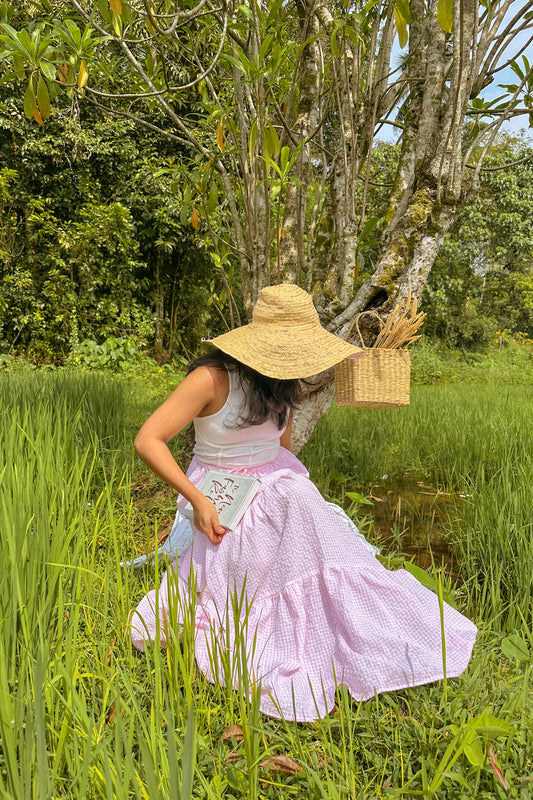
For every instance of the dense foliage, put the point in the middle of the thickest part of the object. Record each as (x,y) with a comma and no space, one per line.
(106,226)
(481,285)
(91,241)
(271,114)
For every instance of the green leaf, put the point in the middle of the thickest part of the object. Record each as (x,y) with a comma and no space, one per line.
(402,28)
(54,91)
(18,65)
(49,70)
(404,9)
(29,100)
(243,63)
(445,15)
(271,163)
(252,136)
(515,647)
(517,70)
(284,158)
(12,32)
(267,41)
(185,214)
(492,726)
(355,497)
(474,751)
(338,478)
(105,10)
(421,575)
(43,98)
(27,43)
(15,42)
(235,62)
(188,761)
(74,31)
(271,141)
(368,228)
(212,200)
(334,46)
(246,11)
(273,12)
(353,35)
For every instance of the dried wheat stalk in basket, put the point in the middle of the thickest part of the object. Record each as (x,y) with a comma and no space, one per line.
(401,325)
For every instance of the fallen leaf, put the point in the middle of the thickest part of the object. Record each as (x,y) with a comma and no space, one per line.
(233,732)
(233,756)
(497,770)
(112,714)
(323,759)
(282,764)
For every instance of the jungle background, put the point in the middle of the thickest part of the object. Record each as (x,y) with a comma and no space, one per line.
(99,264)
(115,236)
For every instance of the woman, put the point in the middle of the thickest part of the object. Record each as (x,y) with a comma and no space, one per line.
(322,610)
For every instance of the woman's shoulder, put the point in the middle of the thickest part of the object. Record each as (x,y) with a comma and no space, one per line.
(215,380)
(210,374)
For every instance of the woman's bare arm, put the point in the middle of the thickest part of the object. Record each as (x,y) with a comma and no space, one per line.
(194,393)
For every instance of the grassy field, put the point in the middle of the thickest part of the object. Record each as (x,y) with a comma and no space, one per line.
(83,715)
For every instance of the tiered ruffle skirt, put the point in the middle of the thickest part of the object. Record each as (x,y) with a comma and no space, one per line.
(319,609)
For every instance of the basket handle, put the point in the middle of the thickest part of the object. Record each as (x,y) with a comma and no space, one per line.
(374,314)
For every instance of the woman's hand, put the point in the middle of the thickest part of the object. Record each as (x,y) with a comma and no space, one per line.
(206,520)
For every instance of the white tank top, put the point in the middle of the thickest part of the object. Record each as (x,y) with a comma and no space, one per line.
(220,443)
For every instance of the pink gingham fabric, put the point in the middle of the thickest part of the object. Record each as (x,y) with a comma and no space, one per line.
(322,610)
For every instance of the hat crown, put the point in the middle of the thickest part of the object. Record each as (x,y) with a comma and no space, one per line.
(285,304)
(285,339)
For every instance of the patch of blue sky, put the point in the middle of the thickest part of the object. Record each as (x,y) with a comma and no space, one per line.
(520,45)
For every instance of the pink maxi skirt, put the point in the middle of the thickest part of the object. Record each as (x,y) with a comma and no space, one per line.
(322,611)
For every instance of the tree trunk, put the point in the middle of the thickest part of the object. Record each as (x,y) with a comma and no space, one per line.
(310,411)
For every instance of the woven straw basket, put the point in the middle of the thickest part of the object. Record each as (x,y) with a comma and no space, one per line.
(377,378)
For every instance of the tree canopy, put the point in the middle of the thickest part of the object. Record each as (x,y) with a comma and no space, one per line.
(277,107)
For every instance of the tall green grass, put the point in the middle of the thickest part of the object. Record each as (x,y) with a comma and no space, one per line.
(82,715)
(475,441)
(444,435)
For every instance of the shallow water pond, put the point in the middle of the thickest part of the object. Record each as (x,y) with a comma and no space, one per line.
(413,518)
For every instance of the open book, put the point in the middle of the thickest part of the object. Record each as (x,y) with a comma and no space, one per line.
(230,494)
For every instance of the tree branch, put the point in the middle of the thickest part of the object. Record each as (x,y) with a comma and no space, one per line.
(503,166)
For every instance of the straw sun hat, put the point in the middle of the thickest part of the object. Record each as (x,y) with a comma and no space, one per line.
(285,338)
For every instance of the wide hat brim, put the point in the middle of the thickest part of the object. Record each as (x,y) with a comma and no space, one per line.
(285,351)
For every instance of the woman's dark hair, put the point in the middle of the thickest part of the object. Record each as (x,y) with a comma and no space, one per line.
(266,398)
